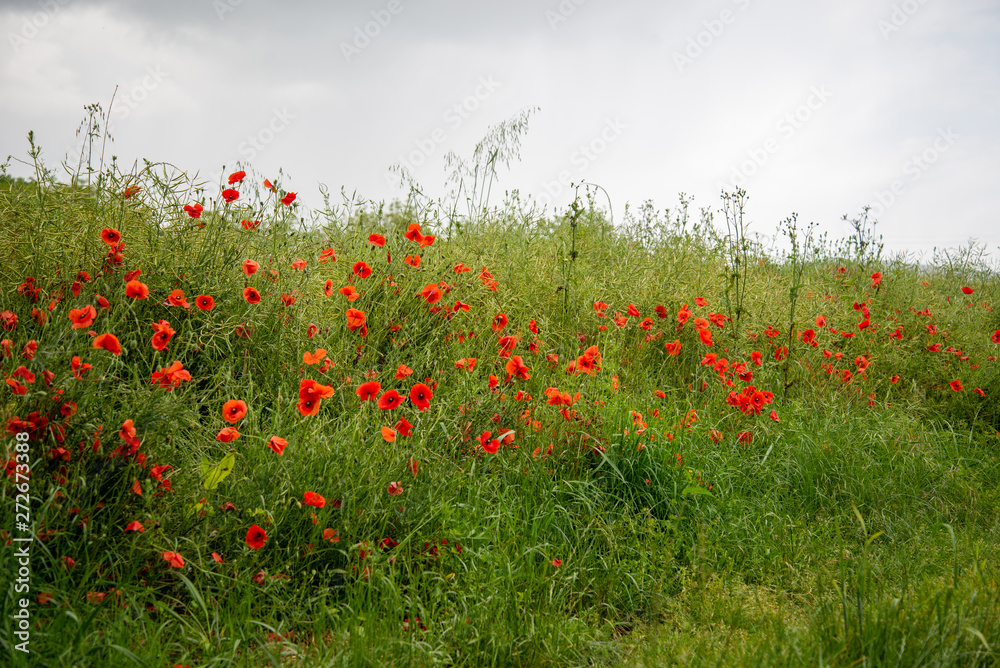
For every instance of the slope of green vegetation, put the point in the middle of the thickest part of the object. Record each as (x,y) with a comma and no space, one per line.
(399,436)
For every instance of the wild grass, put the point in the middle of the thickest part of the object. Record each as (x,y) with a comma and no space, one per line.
(647,521)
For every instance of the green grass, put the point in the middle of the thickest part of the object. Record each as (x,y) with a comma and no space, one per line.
(858,526)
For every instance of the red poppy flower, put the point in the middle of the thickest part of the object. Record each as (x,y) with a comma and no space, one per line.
(136,290)
(313,499)
(376,239)
(236,177)
(314,358)
(9,319)
(251,295)
(956,385)
(876,278)
(413,233)
(131,190)
(84,317)
(176,298)
(216,558)
(979,391)
(466,363)
(431,293)
(109,342)
(162,336)
(194,211)
(234,410)
(288,199)
(745,437)
(174,559)
(556,562)
(388,434)
(967,290)
(516,367)
(250,224)
(277,444)
(79,367)
(250,267)
(256,537)
(367,391)
(29,350)
(489,445)
(673,348)
(361,269)
(402,371)
(499,322)
(204,302)
(395,489)
(996,337)
(227,435)
(310,394)
(111,236)
(390,400)
(420,396)
(460,268)
(355,319)
(287,300)
(133,527)
(230,195)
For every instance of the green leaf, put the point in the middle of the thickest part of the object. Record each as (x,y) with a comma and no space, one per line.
(216,474)
(691,490)
(873,537)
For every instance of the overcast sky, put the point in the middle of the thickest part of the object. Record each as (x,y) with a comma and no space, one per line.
(815,108)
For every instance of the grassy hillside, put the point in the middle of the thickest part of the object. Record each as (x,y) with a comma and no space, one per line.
(404,437)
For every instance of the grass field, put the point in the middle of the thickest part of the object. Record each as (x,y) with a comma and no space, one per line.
(403,436)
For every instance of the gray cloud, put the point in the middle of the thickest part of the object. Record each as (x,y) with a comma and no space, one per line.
(699,88)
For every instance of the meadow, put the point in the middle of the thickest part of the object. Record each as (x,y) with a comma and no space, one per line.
(400,435)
